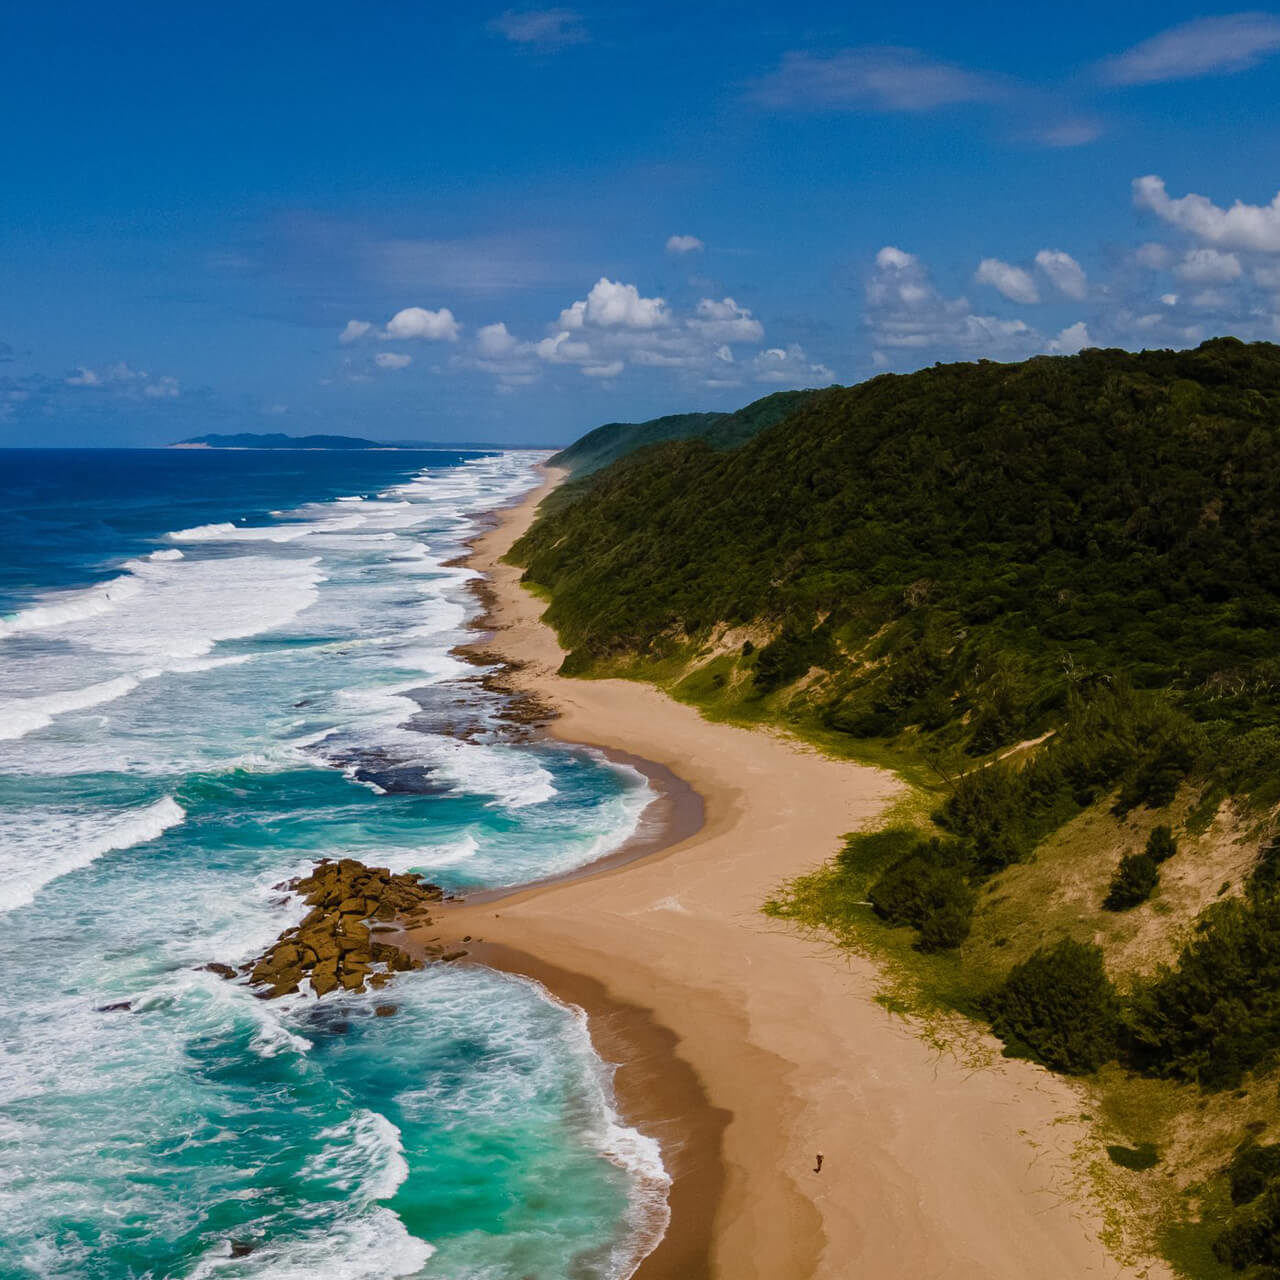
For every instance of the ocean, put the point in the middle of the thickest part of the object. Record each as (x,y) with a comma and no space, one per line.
(215,668)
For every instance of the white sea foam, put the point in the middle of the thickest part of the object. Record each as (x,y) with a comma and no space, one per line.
(225,531)
(21,716)
(42,846)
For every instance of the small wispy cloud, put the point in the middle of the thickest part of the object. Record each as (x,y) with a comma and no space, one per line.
(1207,46)
(684,244)
(542,29)
(872,79)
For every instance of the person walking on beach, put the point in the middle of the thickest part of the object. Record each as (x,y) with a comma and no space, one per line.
(817,1168)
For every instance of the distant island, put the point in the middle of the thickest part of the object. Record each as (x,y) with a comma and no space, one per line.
(277,440)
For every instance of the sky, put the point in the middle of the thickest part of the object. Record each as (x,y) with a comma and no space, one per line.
(471,223)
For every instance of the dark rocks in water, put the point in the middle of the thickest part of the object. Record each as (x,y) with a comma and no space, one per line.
(452,955)
(403,780)
(241,1248)
(386,1010)
(120,1006)
(333,946)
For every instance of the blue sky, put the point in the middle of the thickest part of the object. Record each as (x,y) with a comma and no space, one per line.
(408,220)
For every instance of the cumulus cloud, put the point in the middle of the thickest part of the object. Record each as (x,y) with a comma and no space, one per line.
(1243,226)
(354,331)
(609,370)
(1208,266)
(392,360)
(684,244)
(1065,273)
(495,341)
(874,79)
(906,313)
(1207,46)
(1015,283)
(1074,338)
(418,322)
(792,366)
(542,29)
(611,304)
(725,321)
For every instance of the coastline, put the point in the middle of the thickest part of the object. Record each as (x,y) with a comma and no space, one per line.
(747,1047)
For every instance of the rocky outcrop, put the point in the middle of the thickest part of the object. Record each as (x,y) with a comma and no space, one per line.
(338,945)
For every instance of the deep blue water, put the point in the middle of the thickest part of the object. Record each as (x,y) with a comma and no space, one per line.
(215,668)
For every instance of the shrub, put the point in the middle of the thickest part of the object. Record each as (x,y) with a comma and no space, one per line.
(1251,1168)
(1143,1156)
(1254,1237)
(928,889)
(1215,1014)
(1058,1006)
(1135,879)
(1161,845)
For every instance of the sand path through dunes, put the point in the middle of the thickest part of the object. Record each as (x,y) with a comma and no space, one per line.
(930,1169)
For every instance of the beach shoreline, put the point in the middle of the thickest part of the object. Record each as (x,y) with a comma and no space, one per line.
(744,1046)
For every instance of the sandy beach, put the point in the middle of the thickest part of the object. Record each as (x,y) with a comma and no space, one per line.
(746,1047)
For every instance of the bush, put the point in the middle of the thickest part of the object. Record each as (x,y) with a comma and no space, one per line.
(929,890)
(1251,1168)
(1161,845)
(1215,1014)
(1254,1237)
(1135,879)
(1058,1006)
(1143,1156)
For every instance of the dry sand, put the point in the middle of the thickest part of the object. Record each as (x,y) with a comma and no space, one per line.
(747,1048)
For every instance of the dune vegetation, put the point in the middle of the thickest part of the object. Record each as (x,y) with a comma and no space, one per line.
(1049,594)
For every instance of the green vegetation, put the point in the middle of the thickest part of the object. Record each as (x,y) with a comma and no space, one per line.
(1053,589)
(1058,1006)
(1143,1156)
(607,444)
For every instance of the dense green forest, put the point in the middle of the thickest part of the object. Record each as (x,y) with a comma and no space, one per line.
(1057,585)
(614,440)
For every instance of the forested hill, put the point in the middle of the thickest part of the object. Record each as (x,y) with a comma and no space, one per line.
(1057,585)
(967,542)
(606,444)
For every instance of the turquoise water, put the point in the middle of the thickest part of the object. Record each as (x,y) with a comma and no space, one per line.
(202,689)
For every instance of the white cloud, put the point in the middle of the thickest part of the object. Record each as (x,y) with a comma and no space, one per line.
(1065,272)
(891,258)
(495,341)
(1169,299)
(417,322)
(540,28)
(790,365)
(684,244)
(875,79)
(1078,131)
(906,313)
(1243,226)
(725,321)
(611,304)
(1072,339)
(610,370)
(1016,284)
(1153,255)
(1208,266)
(1207,46)
(355,330)
(1267,276)
(392,360)
(122,378)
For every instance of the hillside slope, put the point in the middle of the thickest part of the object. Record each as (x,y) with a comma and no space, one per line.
(614,440)
(1056,584)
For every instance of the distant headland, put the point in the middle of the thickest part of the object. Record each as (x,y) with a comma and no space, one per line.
(278,440)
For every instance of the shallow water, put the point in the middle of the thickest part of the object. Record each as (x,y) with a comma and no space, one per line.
(214,669)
